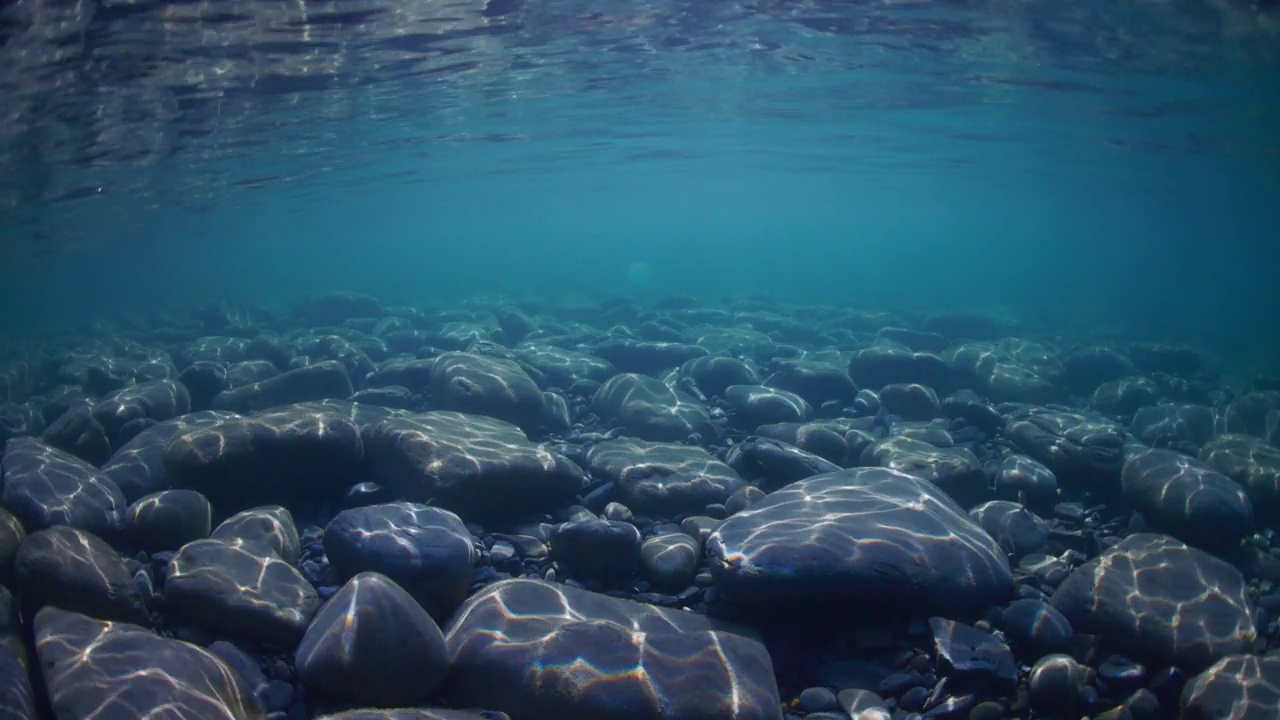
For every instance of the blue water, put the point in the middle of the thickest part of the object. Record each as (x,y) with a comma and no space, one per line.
(1099,167)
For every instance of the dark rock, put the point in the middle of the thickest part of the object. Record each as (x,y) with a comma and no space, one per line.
(602,550)
(1186,498)
(966,652)
(1155,598)
(263,531)
(679,665)
(482,385)
(296,452)
(228,589)
(1254,464)
(1036,626)
(755,405)
(137,467)
(650,410)
(77,432)
(168,520)
(1018,530)
(325,379)
(713,375)
(869,538)
(479,467)
(425,550)
(373,644)
(956,470)
(1029,482)
(1239,687)
(77,571)
(670,560)
(910,401)
(816,382)
(158,400)
(98,669)
(660,478)
(44,487)
(1055,683)
(647,358)
(1082,451)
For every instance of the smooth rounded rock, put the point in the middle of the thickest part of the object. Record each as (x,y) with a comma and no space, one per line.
(427,551)
(169,519)
(868,538)
(373,644)
(671,560)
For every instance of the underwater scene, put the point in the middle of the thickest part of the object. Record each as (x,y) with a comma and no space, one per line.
(639,360)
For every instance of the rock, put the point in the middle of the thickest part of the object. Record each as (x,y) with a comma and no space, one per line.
(1174,425)
(968,406)
(670,561)
(650,410)
(204,379)
(298,452)
(168,520)
(1054,685)
(713,375)
(11,537)
(415,714)
(1252,463)
(228,589)
(1036,626)
(77,432)
(97,669)
(1018,530)
(373,644)
(263,531)
(1123,397)
(966,652)
(956,470)
(17,698)
(755,405)
(137,467)
(910,401)
(1083,452)
(1238,687)
(603,550)
(158,400)
(489,386)
(562,367)
(1156,598)
(1186,498)
(528,636)
(324,379)
(878,366)
(817,700)
(44,487)
(478,467)
(1256,414)
(74,570)
(646,358)
(426,551)
(868,538)
(1029,482)
(817,382)
(660,478)
(774,463)
(825,441)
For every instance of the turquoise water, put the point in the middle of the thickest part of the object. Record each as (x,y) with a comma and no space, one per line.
(1108,167)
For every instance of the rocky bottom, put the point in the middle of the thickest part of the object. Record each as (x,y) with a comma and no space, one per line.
(616,511)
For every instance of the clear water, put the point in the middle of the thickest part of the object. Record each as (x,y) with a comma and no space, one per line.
(1107,166)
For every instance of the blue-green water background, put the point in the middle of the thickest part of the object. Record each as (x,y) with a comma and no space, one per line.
(1074,172)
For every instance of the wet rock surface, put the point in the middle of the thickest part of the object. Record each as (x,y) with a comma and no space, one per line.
(633,509)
